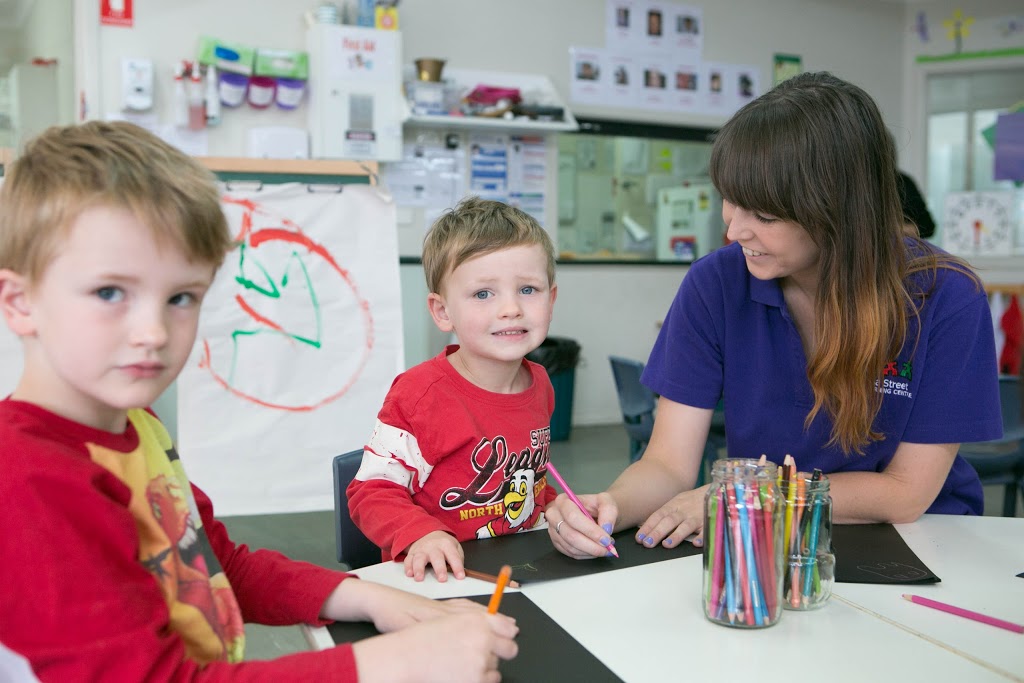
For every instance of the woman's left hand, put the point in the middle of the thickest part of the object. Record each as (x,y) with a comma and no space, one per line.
(675,520)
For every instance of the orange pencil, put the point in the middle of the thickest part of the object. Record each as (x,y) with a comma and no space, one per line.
(504,576)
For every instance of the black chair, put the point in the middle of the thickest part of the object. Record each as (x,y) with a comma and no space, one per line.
(354,549)
(1001,462)
(637,403)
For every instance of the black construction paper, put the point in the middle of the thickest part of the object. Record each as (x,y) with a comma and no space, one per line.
(533,558)
(876,553)
(546,651)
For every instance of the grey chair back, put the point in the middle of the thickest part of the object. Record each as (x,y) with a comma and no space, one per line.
(636,402)
(1001,462)
(354,548)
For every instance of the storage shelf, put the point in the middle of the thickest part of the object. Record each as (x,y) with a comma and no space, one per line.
(478,122)
(308,166)
(536,89)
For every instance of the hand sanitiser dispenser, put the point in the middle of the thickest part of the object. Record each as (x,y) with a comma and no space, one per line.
(136,84)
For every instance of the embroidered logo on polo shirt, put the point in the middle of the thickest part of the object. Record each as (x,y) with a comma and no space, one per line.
(896,382)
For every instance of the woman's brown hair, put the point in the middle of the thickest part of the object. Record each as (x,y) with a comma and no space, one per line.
(815,151)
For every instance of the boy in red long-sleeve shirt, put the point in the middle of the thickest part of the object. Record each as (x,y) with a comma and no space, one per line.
(112,565)
(461,445)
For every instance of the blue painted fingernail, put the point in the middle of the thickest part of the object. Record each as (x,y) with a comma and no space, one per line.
(640,538)
(607,527)
(649,542)
(668,541)
(606,541)
(698,542)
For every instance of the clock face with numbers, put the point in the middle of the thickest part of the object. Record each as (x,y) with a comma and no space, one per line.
(978,223)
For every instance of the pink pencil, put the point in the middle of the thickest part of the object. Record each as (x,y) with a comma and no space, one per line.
(966,613)
(572,496)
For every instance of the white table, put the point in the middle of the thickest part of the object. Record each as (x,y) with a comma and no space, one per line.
(646,623)
(977,559)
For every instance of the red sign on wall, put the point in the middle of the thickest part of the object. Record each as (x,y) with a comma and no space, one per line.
(116,12)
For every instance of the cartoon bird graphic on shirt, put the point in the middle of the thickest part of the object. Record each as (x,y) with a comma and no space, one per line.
(520,507)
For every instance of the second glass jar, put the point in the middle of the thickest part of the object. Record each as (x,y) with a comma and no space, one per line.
(807,541)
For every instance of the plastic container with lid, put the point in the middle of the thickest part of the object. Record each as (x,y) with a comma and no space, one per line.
(261,91)
(233,88)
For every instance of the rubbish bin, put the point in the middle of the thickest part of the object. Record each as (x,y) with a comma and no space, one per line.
(559,356)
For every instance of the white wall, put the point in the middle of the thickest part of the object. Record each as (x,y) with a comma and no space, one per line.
(615,309)
(986,32)
(47,33)
(860,41)
(9,41)
(609,309)
(168,32)
(526,35)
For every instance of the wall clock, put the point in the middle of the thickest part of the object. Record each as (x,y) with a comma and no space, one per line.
(978,223)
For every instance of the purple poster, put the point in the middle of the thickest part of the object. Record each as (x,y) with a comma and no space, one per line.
(1009,147)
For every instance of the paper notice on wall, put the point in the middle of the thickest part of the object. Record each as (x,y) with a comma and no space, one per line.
(299,339)
(589,76)
(527,164)
(427,175)
(527,174)
(624,27)
(488,166)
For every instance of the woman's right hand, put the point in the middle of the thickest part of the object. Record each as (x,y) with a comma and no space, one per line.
(462,648)
(576,534)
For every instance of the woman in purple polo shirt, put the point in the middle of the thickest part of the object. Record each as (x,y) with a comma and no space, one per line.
(831,335)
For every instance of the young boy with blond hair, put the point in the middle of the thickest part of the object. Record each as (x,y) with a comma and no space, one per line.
(113,565)
(460,448)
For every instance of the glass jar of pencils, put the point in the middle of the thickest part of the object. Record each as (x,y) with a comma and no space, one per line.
(807,539)
(743,545)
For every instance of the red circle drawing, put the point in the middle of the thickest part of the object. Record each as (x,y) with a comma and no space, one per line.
(286,231)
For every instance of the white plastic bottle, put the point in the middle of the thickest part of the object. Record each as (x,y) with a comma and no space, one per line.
(196,110)
(212,97)
(180,105)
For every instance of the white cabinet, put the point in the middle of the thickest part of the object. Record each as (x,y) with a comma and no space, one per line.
(355,93)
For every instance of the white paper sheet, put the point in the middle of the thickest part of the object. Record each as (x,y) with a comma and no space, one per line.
(300,338)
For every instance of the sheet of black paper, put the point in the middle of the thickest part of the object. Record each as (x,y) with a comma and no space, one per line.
(533,558)
(546,651)
(876,553)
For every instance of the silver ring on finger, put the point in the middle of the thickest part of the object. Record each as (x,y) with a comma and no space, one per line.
(558,527)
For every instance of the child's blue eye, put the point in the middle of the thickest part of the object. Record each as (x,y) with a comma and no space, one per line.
(482,294)
(528,289)
(183,299)
(112,294)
